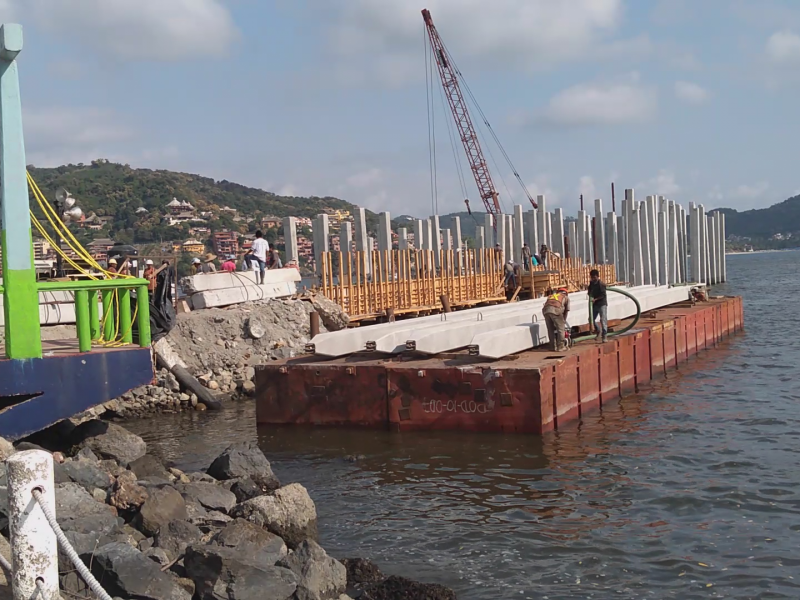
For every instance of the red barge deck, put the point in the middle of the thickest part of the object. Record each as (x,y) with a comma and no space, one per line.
(531,392)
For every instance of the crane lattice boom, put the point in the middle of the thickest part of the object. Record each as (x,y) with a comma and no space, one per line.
(466,129)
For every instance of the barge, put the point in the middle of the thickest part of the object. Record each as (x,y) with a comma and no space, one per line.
(532,392)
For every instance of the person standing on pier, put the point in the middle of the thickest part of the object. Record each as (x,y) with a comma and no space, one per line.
(597,292)
(555,312)
(229,266)
(150,275)
(527,256)
(275,259)
(260,248)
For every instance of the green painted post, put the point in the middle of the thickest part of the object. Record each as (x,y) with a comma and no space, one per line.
(82,320)
(20,295)
(108,315)
(125,329)
(94,315)
(143,315)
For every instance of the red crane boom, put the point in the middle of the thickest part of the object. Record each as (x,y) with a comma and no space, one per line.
(466,129)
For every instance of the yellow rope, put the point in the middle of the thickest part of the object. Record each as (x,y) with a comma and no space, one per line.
(64,233)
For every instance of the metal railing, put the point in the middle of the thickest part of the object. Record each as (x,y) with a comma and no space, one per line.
(115,328)
(35,533)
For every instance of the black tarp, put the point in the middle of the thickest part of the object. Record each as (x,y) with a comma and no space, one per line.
(162,311)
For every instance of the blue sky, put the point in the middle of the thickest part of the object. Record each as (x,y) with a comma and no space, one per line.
(692,100)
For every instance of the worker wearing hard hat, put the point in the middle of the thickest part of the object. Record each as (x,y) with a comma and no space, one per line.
(555,311)
(150,275)
(112,265)
(196,264)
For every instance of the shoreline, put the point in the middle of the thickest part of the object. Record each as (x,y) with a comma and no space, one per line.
(151,531)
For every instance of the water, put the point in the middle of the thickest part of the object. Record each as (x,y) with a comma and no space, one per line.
(690,491)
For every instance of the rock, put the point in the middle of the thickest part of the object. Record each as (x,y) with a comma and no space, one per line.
(243,459)
(86,454)
(88,474)
(200,406)
(264,547)
(255,328)
(148,466)
(399,587)
(112,467)
(221,573)
(289,513)
(361,571)
(172,383)
(179,475)
(319,577)
(201,477)
(126,572)
(176,536)
(330,313)
(127,494)
(205,519)
(249,388)
(108,440)
(59,457)
(185,398)
(158,555)
(213,385)
(162,506)
(210,495)
(74,502)
(245,489)
(249,373)
(99,495)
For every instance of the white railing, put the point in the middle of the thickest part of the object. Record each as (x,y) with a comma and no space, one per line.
(34,531)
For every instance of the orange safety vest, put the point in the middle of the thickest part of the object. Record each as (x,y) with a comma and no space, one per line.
(556,300)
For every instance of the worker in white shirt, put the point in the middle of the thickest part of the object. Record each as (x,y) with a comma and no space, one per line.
(260,248)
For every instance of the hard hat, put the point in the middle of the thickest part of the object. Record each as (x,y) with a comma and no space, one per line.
(562,288)
(195,261)
(148,262)
(113,261)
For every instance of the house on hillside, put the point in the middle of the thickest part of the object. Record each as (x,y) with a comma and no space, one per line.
(226,242)
(271,222)
(193,247)
(98,249)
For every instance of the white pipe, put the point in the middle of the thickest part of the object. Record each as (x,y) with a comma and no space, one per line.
(34,547)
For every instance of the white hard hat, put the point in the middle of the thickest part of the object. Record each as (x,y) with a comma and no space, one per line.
(196,261)
(148,262)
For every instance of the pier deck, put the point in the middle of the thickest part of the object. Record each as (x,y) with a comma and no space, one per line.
(531,392)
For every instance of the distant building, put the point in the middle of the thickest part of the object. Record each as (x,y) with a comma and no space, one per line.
(226,242)
(228,209)
(41,249)
(271,222)
(98,249)
(177,208)
(303,222)
(177,247)
(193,247)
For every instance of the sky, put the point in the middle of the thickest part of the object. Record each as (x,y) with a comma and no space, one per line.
(696,101)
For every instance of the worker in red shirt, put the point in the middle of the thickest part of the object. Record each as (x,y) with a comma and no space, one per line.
(229,266)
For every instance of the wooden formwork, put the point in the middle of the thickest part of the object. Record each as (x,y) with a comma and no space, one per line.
(564,271)
(368,284)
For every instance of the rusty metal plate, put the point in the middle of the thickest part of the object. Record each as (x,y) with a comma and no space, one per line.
(609,372)
(589,379)
(642,363)
(566,400)
(627,372)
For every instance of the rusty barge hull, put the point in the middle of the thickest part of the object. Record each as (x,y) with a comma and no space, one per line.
(532,392)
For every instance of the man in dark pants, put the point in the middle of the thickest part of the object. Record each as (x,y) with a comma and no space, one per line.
(597,292)
(555,313)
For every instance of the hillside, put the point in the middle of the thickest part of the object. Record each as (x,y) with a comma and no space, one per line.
(111,189)
(783,217)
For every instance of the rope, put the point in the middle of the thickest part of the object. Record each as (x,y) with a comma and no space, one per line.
(82,569)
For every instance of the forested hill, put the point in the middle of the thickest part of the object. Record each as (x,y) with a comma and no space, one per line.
(783,217)
(111,189)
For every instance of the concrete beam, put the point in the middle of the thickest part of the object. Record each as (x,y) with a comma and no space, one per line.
(488,230)
(321,240)
(532,230)
(663,259)
(227,297)
(290,238)
(600,231)
(518,234)
(455,228)
(402,238)
(647,277)
(384,231)
(612,242)
(580,248)
(557,222)
(501,235)
(541,215)
(480,237)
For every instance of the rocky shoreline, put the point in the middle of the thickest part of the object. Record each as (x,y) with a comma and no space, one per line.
(233,532)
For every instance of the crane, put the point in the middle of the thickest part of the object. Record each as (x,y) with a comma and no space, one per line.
(449,75)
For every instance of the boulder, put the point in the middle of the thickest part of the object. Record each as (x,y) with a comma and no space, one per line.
(255,328)
(127,494)
(249,388)
(6,448)
(108,440)
(88,474)
(206,520)
(330,313)
(243,459)
(201,477)
(289,513)
(394,587)
(225,573)
(158,556)
(264,547)
(319,577)
(361,571)
(73,502)
(162,506)
(149,466)
(86,454)
(176,536)
(210,495)
(245,489)
(124,571)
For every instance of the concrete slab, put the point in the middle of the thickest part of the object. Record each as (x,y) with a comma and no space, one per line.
(222,281)
(238,295)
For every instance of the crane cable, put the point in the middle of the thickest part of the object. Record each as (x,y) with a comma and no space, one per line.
(488,125)
(64,233)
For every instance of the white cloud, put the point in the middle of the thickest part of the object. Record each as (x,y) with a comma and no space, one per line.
(161,30)
(380,39)
(601,104)
(663,184)
(750,192)
(587,188)
(365,179)
(691,93)
(783,47)
(73,127)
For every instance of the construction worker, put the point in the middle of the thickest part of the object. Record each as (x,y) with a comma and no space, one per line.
(112,265)
(597,292)
(555,313)
(196,264)
(150,275)
(510,281)
(527,256)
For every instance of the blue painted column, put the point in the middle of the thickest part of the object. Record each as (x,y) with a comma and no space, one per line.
(21,298)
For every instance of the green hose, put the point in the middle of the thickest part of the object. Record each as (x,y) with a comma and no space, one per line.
(621,331)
